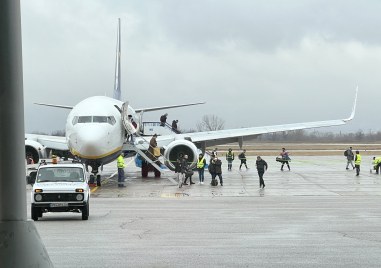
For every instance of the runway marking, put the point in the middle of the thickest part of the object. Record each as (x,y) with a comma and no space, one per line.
(173,195)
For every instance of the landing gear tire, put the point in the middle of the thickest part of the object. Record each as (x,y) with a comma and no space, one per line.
(91,181)
(85,212)
(98,180)
(34,213)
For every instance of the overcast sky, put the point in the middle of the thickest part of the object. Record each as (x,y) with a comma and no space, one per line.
(255,63)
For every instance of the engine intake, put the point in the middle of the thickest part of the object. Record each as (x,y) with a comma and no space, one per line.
(178,147)
(35,150)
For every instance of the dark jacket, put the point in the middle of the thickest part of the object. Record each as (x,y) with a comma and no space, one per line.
(212,167)
(261,164)
(218,164)
(184,166)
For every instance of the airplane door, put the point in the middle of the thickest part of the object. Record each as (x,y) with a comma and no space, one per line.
(126,122)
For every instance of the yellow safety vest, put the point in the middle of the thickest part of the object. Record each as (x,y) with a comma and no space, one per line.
(200,162)
(358,159)
(120,162)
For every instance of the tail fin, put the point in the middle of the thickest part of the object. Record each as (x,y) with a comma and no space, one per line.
(117,93)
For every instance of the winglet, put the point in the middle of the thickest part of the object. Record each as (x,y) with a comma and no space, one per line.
(353,108)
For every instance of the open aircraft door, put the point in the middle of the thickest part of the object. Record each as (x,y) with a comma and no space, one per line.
(126,122)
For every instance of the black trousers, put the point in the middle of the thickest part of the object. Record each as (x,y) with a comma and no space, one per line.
(260,174)
(357,170)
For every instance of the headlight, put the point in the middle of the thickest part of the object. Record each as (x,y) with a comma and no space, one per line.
(79,197)
(38,197)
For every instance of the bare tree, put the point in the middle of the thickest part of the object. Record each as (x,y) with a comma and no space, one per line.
(210,123)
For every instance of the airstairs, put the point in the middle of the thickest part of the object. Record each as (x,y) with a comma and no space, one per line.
(138,133)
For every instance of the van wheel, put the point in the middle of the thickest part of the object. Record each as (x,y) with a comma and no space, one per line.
(34,213)
(98,180)
(85,212)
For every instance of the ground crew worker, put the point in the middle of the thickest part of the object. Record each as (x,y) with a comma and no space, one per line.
(201,162)
(230,158)
(242,157)
(120,165)
(357,163)
(261,168)
(377,164)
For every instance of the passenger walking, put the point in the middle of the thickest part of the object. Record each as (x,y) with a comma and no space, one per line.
(242,157)
(174,126)
(357,163)
(163,119)
(261,168)
(186,170)
(285,158)
(178,163)
(218,169)
(152,146)
(212,169)
(230,158)
(201,162)
(349,155)
(121,166)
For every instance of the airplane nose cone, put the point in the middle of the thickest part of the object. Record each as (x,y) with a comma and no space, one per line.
(90,142)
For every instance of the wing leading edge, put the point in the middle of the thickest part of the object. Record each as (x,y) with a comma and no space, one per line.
(230,135)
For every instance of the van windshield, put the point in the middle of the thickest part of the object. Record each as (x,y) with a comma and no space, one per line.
(56,174)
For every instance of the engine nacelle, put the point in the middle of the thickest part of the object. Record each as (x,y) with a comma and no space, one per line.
(35,149)
(177,147)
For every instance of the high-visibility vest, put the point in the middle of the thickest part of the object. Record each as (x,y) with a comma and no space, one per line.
(200,162)
(358,159)
(229,155)
(120,162)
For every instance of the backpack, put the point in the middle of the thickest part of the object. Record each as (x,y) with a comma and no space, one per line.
(346,153)
(240,156)
(214,182)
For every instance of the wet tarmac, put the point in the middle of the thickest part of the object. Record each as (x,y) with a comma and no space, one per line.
(317,215)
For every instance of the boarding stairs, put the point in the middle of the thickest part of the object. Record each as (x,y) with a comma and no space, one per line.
(131,131)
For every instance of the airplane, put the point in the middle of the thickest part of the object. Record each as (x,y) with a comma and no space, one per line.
(97,127)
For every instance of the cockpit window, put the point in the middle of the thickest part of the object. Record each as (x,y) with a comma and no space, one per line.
(75,120)
(84,119)
(99,119)
(94,119)
(111,120)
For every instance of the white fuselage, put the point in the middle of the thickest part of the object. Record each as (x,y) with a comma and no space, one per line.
(94,130)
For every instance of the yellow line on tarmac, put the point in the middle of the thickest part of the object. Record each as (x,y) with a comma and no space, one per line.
(94,189)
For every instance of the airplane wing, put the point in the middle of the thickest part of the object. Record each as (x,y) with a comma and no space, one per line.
(211,138)
(55,105)
(166,107)
(51,142)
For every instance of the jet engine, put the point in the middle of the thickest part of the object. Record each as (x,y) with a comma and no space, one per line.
(175,148)
(35,149)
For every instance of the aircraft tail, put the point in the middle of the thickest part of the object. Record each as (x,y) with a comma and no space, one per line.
(117,92)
